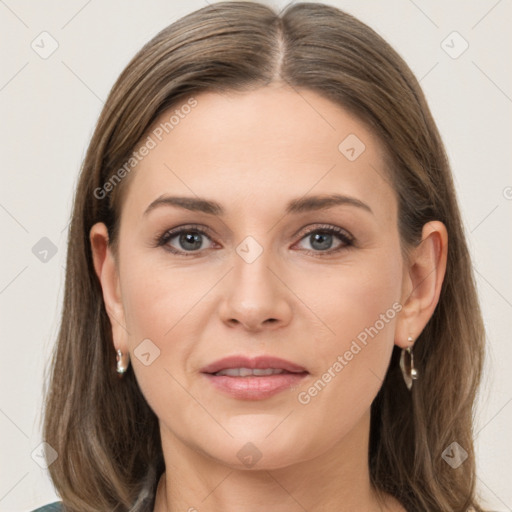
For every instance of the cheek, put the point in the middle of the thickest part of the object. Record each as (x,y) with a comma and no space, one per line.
(157,298)
(359,305)
(159,310)
(352,298)
(159,305)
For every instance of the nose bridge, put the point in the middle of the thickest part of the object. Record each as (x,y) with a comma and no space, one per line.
(255,297)
(253,278)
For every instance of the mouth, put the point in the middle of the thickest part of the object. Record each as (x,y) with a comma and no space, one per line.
(253,379)
(249,372)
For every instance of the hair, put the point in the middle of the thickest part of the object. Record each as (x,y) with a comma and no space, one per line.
(106,435)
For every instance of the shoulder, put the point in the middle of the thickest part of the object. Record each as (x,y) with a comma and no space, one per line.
(51,507)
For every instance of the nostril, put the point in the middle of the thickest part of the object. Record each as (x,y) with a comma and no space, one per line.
(252,324)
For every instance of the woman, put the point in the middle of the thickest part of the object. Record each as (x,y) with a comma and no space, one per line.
(266,248)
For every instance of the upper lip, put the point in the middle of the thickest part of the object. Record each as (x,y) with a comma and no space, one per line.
(260,362)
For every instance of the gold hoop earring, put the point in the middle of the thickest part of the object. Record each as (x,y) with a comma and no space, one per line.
(409,372)
(123,361)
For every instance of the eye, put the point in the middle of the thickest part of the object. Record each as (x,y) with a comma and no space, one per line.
(190,240)
(185,240)
(327,239)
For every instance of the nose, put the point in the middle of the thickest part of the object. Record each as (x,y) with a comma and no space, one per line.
(255,299)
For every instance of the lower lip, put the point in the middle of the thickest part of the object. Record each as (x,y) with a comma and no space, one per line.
(257,387)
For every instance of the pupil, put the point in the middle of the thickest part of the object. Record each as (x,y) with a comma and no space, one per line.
(190,240)
(321,240)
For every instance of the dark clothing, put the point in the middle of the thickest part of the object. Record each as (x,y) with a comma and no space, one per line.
(51,507)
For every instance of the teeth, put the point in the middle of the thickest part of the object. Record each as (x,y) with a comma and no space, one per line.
(246,372)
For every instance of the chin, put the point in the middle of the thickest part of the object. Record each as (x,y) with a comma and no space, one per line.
(253,457)
(258,447)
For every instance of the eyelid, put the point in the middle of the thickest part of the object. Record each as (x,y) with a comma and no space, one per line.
(323,227)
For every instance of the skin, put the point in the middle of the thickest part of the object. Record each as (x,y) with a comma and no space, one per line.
(252,153)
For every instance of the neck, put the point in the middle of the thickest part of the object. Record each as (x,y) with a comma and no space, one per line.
(335,481)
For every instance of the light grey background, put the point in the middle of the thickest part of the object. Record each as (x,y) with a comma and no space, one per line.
(48,110)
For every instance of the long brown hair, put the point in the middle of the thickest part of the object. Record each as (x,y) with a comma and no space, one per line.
(102,428)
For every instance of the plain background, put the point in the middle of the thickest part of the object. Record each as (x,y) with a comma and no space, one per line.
(48,111)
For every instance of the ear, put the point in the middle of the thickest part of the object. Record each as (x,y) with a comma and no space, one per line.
(106,269)
(421,285)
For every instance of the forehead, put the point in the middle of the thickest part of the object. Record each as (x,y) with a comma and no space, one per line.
(264,146)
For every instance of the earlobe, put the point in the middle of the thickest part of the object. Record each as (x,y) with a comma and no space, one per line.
(422,282)
(106,269)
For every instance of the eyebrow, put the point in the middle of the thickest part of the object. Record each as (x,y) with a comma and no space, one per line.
(300,205)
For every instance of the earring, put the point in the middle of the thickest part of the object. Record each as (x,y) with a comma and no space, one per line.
(123,361)
(408,371)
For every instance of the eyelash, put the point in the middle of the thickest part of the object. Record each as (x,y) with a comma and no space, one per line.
(343,236)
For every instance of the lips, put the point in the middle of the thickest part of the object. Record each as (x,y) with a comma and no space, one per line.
(258,378)
(257,363)
(246,372)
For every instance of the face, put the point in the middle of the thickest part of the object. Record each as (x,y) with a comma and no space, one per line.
(260,233)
